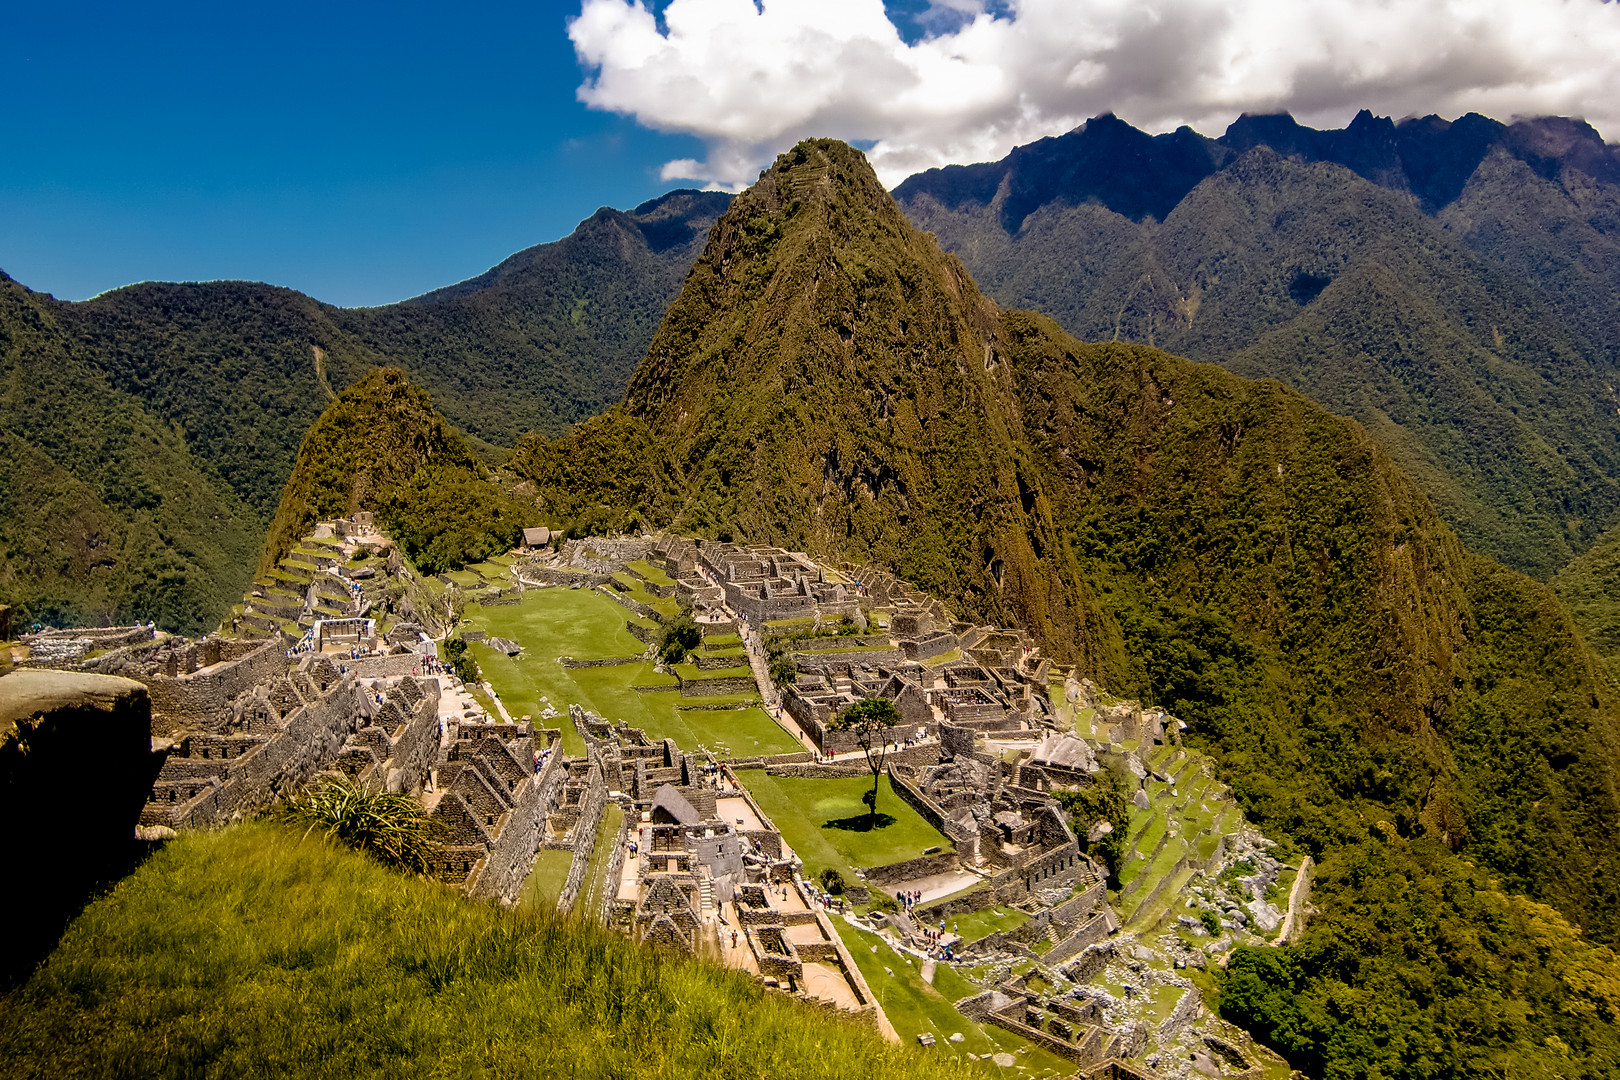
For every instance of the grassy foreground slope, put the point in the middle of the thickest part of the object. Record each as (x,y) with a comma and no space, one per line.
(252,952)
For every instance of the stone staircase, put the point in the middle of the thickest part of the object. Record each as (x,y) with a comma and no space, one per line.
(706,897)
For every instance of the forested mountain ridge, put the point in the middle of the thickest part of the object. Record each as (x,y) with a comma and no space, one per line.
(830,380)
(1452,286)
(381,446)
(229,377)
(549,336)
(106,512)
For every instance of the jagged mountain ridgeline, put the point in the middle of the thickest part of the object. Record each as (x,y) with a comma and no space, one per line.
(1450,285)
(156,426)
(830,380)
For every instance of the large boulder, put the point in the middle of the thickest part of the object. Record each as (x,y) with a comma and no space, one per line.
(76,765)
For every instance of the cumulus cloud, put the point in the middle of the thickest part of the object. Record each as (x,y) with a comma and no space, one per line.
(751,78)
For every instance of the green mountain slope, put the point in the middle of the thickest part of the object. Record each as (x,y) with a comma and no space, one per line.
(550,336)
(1428,280)
(829,379)
(231,375)
(1590,587)
(381,446)
(106,514)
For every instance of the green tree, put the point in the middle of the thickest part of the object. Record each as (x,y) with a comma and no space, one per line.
(681,635)
(1102,800)
(869,721)
(461,660)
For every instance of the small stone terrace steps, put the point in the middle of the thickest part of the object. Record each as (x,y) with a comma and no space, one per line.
(706,897)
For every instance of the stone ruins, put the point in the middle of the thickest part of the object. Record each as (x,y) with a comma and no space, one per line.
(331,666)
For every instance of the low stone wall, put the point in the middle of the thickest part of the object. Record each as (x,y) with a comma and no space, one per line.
(718,629)
(589,819)
(1090,933)
(644,634)
(768,762)
(385,667)
(1092,960)
(718,687)
(912,869)
(817,663)
(632,605)
(1184,1013)
(912,795)
(719,663)
(546,575)
(1158,888)
(615,867)
(511,857)
(816,771)
(978,900)
(606,661)
(860,645)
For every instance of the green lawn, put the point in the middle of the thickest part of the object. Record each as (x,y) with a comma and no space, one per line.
(802,808)
(546,879)
(650,572)
(250,952)
(974,925)
(586,625)
(913,1007)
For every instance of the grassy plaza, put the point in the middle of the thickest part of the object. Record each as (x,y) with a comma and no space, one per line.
(823,821)
(586,625)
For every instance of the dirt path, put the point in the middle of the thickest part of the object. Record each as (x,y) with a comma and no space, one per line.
(1294,922)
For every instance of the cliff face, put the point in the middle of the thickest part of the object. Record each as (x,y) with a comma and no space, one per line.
(830,380)
(76,764)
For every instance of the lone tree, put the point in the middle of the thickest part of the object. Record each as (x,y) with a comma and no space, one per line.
(869,721)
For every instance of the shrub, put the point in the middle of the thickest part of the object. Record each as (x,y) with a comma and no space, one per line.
(391,828)
(681,635)
(461,660)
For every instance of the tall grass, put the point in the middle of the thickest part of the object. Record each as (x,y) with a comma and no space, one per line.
(391,828)
(255,951)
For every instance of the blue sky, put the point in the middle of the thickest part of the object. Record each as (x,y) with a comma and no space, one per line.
(367,152)
(361,153)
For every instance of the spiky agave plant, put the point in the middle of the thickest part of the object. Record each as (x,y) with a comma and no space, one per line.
(391,828)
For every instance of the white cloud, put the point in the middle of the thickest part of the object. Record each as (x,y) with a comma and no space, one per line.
(751,79)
